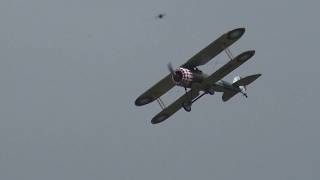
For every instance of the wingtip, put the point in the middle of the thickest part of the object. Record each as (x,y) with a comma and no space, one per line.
(245,55)
(242,29)
(258,75)
(236,33)
(136,103)
(140,101)
(159,118)
(252,52)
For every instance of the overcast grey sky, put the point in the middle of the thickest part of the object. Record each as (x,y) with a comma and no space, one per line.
(70,71)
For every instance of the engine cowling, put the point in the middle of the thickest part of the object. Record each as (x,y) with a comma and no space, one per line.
(183,77)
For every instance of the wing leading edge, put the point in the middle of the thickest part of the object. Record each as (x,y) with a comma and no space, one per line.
(230,66)
(213,49)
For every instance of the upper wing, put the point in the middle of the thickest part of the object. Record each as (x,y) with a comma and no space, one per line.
(229,67)
(155,91)
(214,48)
(174,107)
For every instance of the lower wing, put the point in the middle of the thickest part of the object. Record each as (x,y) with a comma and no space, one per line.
(175,106)
(229,67)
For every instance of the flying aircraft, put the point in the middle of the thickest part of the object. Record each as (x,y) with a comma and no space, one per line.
(161,15)
(196,83)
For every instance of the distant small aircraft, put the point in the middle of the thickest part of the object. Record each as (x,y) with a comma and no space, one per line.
(161,15)
(195,81)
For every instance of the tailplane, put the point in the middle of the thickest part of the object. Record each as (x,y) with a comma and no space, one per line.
(242,83)
(245,81)
(243,87)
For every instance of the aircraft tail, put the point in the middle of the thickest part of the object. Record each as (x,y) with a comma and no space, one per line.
(242,83)
(245,81)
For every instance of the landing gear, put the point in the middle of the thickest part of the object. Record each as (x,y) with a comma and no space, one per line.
(210,91)
(187,106)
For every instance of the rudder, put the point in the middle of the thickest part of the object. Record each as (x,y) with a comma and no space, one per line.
(241,83)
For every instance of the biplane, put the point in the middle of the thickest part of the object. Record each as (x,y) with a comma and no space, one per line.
(196,83)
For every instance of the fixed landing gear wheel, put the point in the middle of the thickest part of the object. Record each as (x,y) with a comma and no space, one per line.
(186,106)
(210,91)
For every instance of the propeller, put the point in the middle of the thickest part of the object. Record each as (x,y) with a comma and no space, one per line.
(171,68)
(176,75)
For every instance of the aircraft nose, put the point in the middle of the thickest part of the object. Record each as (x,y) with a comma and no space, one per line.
(177,76)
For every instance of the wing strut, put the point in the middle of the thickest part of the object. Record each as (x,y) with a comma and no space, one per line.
(229,53)
(161,103)
(199,97)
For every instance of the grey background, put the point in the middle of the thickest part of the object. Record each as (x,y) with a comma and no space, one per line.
(70,71)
